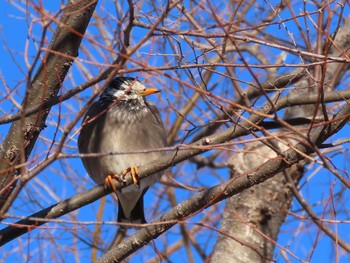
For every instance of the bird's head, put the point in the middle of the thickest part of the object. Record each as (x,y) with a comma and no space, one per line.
(126,89)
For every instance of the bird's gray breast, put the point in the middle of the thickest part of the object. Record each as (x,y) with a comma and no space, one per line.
(125,133)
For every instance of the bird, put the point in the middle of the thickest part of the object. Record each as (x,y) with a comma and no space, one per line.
(123,121)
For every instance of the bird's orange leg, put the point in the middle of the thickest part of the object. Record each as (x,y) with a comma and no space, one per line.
(134,176)
(109,181)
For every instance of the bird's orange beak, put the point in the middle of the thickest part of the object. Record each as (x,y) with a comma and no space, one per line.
(148,91)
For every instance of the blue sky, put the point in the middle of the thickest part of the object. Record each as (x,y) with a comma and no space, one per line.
(67,177)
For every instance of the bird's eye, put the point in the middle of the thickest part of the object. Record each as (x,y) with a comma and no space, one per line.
(128,92)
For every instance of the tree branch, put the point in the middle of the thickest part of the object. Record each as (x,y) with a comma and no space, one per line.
(234,186)
(45,85)
(170,159)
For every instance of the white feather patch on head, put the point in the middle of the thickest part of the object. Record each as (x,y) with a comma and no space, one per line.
(123,88)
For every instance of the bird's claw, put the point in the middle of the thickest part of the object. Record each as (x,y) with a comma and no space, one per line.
(133,173)
(109,181)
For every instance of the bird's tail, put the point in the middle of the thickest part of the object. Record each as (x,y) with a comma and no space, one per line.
(130,207)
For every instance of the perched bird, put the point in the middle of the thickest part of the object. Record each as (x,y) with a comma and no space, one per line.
(123,121)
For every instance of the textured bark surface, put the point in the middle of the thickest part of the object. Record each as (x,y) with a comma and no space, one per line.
(252,218)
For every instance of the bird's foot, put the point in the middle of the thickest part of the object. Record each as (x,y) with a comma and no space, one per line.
(134,176)
(109,181)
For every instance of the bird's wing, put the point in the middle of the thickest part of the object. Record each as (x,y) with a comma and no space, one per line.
(93,122)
